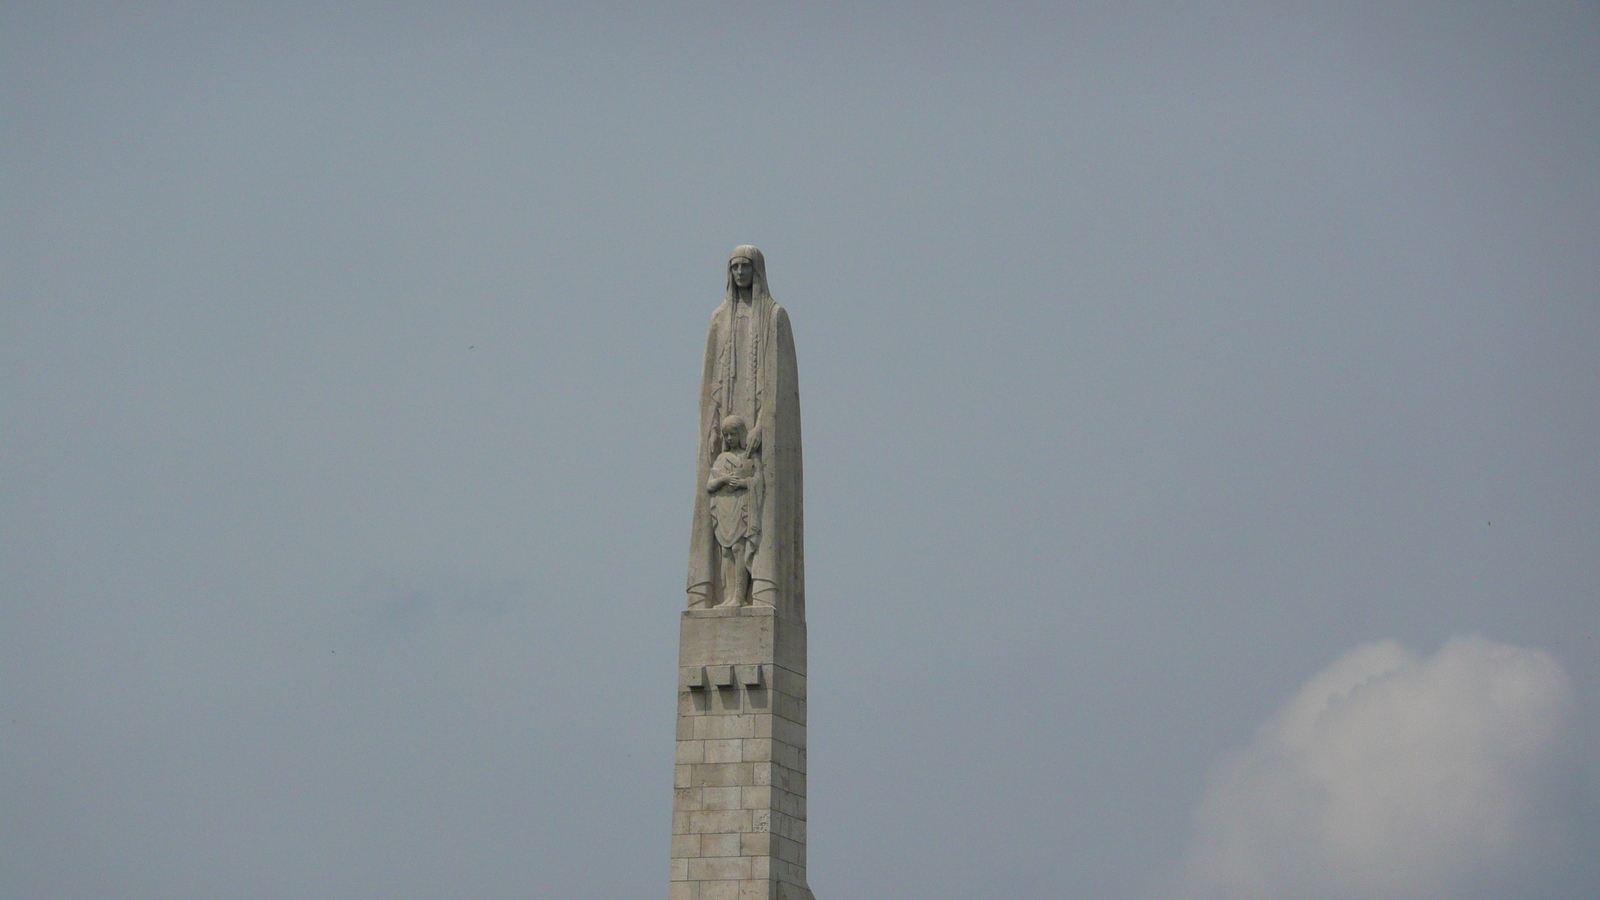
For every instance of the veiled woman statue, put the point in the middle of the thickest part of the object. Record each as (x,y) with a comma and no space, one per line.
(749,374)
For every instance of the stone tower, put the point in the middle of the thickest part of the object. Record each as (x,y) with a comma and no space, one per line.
(739,800)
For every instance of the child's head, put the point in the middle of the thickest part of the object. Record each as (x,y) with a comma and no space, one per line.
(733,433)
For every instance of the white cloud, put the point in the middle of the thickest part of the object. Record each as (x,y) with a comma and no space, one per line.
(1392,776)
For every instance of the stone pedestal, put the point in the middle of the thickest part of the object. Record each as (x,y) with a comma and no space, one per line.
(739,804)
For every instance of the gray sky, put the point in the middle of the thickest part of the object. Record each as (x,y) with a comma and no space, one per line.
(1155,358)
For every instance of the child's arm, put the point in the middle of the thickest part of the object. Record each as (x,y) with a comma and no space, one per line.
(718,482)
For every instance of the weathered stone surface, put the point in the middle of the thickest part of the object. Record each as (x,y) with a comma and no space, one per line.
(746,542)
(720,845)
(721,821)
(746,635)
(686,846)
(722,798)
(739,804)
(741,757)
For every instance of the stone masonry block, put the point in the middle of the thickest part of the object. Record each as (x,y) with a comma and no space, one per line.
(719,845)
(761,867)
(680,870)
(720,868)
(680,822)
(788,779)
(789,708)
(686,799)
(790,648)
(791,805)
(718,890)
(712,728)
(721,821)
(741,635)
(722,798)
(691,678)
(731,703)
(787,731)
(787,682)
(681,776)
(788,872)
(722,774)
(757,890)
(749,676)
(685,846)
(685,729)
(785,755)
(756,750)
(684,890)
(691,752)
(780,777)
(787,827)
(724,751)
(790,851)
(755,844)
(755,797)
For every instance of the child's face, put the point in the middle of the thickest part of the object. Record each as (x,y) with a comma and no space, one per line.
(730,438)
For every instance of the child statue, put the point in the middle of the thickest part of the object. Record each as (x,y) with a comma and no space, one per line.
(735,489)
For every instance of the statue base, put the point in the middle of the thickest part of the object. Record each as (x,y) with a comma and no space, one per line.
(739,802)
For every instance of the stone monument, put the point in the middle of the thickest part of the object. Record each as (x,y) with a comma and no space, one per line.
(739,801)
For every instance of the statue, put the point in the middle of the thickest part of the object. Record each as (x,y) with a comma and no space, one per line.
(746,547)
(735,489)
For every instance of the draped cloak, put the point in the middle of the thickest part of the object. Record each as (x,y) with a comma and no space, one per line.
(750,371)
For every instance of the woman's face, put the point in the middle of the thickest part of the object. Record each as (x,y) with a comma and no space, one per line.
(743,271)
